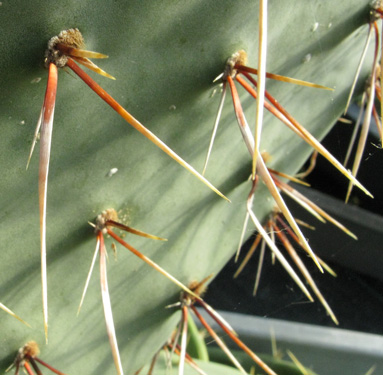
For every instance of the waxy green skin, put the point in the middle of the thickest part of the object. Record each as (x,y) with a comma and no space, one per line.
(165,57)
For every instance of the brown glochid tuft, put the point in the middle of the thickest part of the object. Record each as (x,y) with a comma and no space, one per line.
(70,38)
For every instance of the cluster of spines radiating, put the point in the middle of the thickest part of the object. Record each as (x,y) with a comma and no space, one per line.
(66,49)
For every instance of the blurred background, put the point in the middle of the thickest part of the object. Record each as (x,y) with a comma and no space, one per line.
(356,294)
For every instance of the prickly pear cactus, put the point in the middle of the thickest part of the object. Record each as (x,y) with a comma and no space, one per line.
(165,56)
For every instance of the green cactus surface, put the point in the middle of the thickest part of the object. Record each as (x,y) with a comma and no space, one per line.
(164,55)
